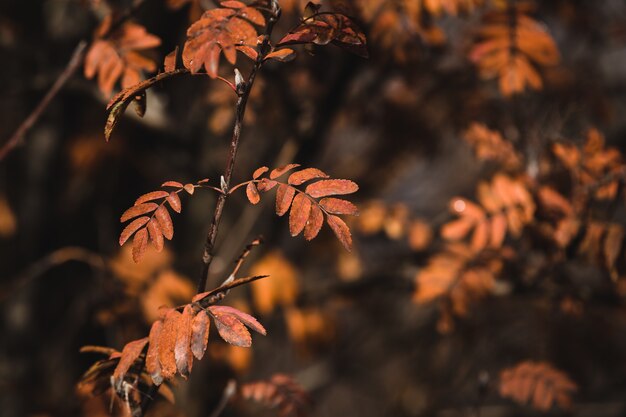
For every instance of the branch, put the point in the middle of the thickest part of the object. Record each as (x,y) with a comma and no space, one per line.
(72,66)
(240,110)
(29,122)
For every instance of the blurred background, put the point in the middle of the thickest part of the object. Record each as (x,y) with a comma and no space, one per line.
(355,329)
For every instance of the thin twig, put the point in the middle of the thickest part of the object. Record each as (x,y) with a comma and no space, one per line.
(72,66)
(29,122)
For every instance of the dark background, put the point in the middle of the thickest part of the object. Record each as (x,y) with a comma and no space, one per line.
(392,125)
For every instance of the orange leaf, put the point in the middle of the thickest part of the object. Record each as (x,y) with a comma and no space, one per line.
(189,188)
(538,382)
(266,185)
(135,211)
(258,172)
(314,223)
(277,172)
(302,176)
(282,55)
(165,222)
(252,193)
(170,60)
(154,195)
(174,201)
(284,196)
(175,184)
(457,229)
(232,330)
(247,319)
(167,344)
(325,188)
(152,357)
(200,334)
(140,244)
(338,206)
(130,353)
(156,234)
(182,350)
(341,230)
(132,228)
(300,210)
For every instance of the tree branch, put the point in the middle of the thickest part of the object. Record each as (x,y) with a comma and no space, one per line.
(72,66)
(240,110)
(29,122)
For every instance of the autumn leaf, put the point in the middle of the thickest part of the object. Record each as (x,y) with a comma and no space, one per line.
(223,30)
(115,57)
(538,383)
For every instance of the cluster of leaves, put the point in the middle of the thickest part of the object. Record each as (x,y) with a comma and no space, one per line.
(570,221)
(226,30)
(538,383)
(322,28)
(509,43)
(113,55)
(152,220)
(505,206)
(309,207)
(475,250)
(280,392)
(457,277)
(179,335)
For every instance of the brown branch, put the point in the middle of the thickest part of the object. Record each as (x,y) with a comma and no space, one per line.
(244,90)
(29,122)
(72,66)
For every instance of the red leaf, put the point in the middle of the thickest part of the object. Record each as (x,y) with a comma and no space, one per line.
(135,211)
(277,172)
(252,193)
(165,222)
(167,344)
(284,196)
(200,334)
(300,177)
(152,357)
(174,201)
(140,243)
(314,223)
(247,319)
(258,172)
(182,351)
(132,228)
(338,206)
(325,188)
(156,234)
(154,195)
(341,230)
(130,353)
(300,210)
